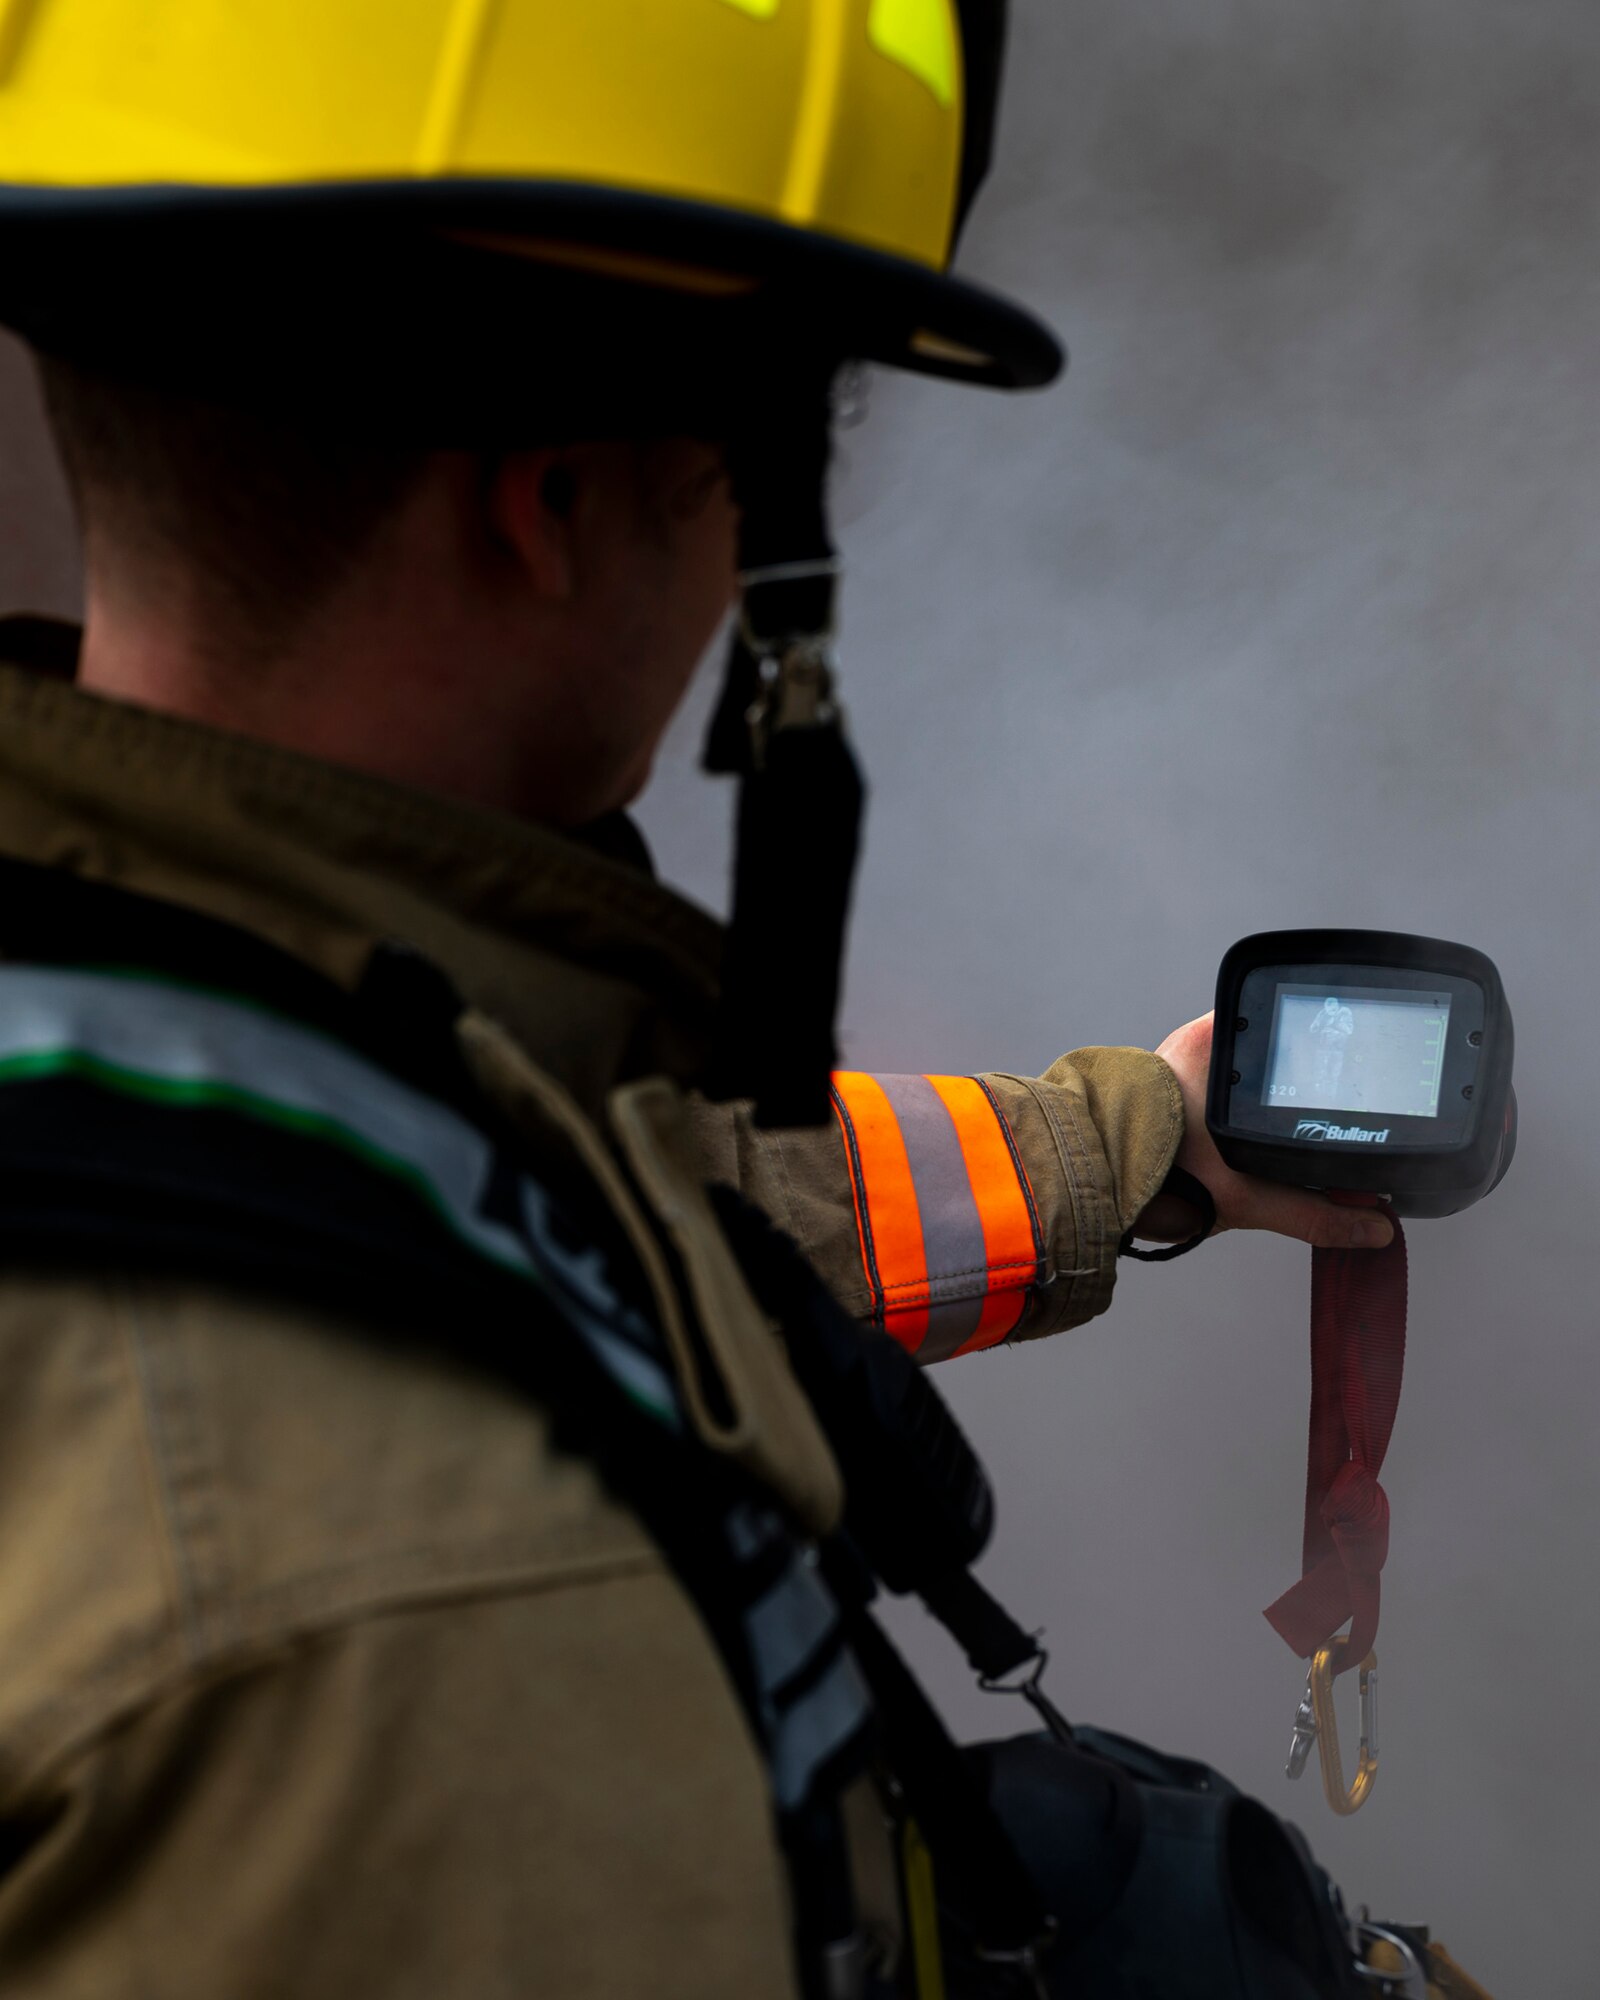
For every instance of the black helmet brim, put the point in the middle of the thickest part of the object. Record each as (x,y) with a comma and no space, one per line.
(409,278)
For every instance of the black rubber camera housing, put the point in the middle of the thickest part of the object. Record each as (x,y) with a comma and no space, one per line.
(1425,1161)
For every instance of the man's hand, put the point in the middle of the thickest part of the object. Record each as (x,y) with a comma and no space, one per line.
(1243,1201)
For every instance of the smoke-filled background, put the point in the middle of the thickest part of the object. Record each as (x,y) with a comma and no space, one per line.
(1280,611)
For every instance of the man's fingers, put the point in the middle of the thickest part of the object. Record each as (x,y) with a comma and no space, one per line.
(1243,1201)
(1310,1219)
(1344,1229)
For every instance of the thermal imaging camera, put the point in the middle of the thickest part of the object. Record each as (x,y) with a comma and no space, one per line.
(1366,1060)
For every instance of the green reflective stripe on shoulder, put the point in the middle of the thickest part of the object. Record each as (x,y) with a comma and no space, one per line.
(178,1045)
(250,1104)
(175,1044)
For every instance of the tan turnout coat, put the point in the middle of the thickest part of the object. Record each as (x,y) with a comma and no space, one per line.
(321,1672)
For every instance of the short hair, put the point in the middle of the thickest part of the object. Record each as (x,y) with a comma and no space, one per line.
(264,514)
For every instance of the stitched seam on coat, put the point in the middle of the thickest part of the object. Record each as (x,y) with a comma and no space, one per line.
(796,1217)
(858,1189)
(326,1601)
(1087,1281)
(456,1567)
(285,1612)
(1031,1269)
(105,1702)
(1104,1236)
(157,1491)
(1023,1181)
(188,1500)
(1176,1118)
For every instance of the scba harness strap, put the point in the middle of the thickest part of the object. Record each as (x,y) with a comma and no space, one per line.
(178,1094)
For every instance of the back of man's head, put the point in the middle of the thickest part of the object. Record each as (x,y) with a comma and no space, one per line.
(258,515)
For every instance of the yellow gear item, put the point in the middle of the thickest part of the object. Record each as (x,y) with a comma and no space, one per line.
(795,111)
(843,120)
(922,1913)
(1446,1980)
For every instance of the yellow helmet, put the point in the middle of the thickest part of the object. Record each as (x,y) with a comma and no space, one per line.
(812,156)
(462,220)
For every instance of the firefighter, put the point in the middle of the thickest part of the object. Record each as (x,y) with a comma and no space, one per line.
(1330,1030)
(430,382)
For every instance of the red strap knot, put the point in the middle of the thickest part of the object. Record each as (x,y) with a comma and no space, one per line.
(1358,1345)
(1355,1511)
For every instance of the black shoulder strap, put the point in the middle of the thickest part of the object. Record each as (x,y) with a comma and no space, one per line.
(178,1095)
(919,1513)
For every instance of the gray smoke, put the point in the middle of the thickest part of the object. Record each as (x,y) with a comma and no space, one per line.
(1280,610)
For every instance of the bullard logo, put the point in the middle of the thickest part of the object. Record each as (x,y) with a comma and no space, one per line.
(1319,1128)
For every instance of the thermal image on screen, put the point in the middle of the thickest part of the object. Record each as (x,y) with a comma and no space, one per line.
(1357,1048)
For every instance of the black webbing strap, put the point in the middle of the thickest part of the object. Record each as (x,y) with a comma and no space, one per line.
(918,1502)
(980,1875)
(919,1512)
(994,1643)
(779,471)
(779,729)
(1006,1659)
(1197,1195)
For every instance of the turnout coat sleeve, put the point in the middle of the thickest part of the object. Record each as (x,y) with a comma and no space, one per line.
(962,1212)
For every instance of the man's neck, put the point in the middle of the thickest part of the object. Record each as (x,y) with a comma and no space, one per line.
(394,692)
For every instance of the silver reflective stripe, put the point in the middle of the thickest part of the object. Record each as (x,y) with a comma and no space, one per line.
(786,1629)
(750,1532)
(176,1045)
(787,1626)
(952,1226)
(632,1371)
(819,1724)
(198,1048)
(584,1271)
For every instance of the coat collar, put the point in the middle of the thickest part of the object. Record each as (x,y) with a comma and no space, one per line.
(599,971)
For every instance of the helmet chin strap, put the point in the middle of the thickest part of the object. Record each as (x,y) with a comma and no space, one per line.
(780,730)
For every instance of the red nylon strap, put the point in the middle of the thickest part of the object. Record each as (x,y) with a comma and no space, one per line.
(1358,1351)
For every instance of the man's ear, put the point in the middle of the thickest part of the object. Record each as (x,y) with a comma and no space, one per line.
(532,497)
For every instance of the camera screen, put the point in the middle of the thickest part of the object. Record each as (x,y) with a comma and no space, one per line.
(1357,1048)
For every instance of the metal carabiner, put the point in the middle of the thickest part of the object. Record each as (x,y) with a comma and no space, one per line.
(1025,1679)
(1305,1734)
(1407,1980)
(1316,1720)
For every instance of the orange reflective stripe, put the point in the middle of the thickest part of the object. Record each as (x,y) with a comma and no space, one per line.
(1011,1247)
(1001,1311)
(888,1216)
(945,1215)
